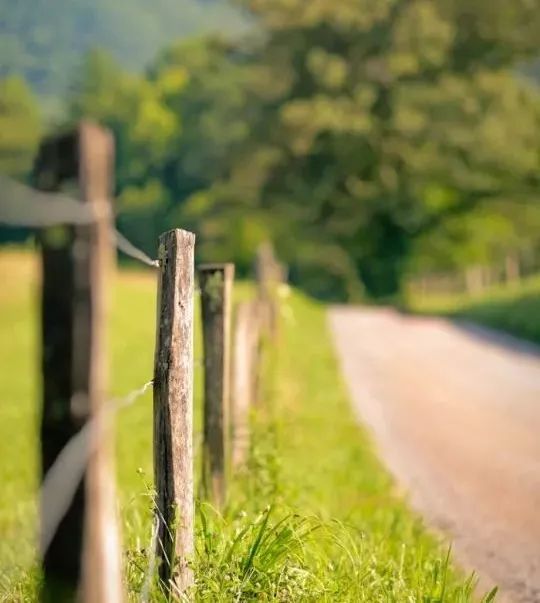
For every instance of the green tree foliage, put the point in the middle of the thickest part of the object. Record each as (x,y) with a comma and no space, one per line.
(20,127)
(145,129)
(385,122)
(397,117)
(368,139)
(205,169)
(20,131)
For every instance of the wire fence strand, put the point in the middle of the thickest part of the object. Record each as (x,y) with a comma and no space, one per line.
(23,206)
(127,248)
(63,477)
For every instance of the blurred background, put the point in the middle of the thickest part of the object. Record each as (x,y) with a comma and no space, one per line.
(385,147)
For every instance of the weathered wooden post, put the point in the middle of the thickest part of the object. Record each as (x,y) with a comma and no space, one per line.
(173,410)
(512,269)
(473,277)
(269,274)
(216,292)
(83,554)
(245,360)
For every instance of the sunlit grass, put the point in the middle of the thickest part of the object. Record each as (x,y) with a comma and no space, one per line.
(513,308)
(312,517)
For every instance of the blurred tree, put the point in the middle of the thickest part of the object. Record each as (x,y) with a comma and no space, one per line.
(371,124)
(20,127)
(133,107)
(144,127)
(20,131)
(214,107)
(368,139)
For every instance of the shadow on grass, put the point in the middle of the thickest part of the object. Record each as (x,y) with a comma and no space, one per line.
(497,338)
(500,319)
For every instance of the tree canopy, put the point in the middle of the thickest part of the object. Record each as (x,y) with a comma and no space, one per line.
(370,132)
(20,124)
(369,140)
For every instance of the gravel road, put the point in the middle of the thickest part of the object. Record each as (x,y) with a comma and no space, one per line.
(455,412)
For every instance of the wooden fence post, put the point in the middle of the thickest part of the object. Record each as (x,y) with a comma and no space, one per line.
(173,410)
(216,291)
(75,264)
(473,277)
(245,360)
(512,270)
(269,274)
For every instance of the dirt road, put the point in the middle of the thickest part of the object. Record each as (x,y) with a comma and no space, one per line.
(455,411)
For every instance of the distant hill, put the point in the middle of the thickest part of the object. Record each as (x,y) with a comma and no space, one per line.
(43,40)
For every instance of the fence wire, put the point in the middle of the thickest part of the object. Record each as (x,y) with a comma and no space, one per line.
(63,477)
(24,206)
(127,248)
(21,205)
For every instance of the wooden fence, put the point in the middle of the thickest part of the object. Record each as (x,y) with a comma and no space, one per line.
(80,545)
(478,278)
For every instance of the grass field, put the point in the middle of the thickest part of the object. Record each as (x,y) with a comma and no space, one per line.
(313,517)
(514,309)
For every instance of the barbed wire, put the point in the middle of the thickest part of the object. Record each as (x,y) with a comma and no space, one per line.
(63,477)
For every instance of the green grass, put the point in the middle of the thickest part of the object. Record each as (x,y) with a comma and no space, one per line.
(514,309)
(312,517)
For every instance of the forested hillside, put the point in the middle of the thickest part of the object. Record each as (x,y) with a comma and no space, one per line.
(43,40)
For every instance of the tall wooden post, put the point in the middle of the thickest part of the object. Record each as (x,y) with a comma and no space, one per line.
(102,573)
(173,409)
(216,293)
(84,553)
